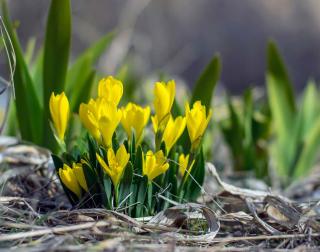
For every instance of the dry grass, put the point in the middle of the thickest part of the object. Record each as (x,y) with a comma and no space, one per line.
(35,216)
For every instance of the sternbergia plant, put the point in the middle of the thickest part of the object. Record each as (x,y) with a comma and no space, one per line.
(246,130)
(122,168)
(297,129)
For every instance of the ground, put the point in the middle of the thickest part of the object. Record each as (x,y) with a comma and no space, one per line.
(36,216)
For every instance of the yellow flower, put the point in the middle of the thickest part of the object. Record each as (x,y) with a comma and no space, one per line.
(154,164)
(111,89)
(69,179)
(173,131)
(89,115)
(117,163)
(78,172)
(197,122)
(101,118)
(183,164)
(164,97)
(59,109)
(109,122)
(134,117)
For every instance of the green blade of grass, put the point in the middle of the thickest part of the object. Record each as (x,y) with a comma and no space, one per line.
(56,56)
(29,113)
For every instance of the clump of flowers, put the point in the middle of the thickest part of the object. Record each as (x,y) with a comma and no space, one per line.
(118,168)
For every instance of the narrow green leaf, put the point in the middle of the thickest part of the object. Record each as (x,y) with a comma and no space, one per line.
(30,50)
(310,150)
(205,85)
(277,69)
(91,55)
(280,92)
(81,70)
(309,112)
(125,184)
(138,161)
(37,75)
(283,110)
(56,57)
(196,178)
(141,196)
(29,112)
(84,93)
(107,185)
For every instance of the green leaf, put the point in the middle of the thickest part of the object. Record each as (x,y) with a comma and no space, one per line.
(91,178)
(138,161)
(205,85)
(107,185)
(37,75)
(56,57)
(79,72)
(283,110)
(125,183)
(141,196)
(309,152)
(248,144)
(196,178)
(309,112)
(83,94)
(132,199)
(30,50)
(280,92)
(132,147)
(92,150)
(29,112)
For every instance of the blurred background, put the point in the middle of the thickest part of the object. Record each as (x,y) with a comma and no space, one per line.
(180,37)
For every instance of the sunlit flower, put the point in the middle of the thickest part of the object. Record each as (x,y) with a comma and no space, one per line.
(116,164)
(134,118)
(89,115)
(163,101)
(154,164)
(101,118)
(78,172)
(173,131)
(197,122)
(69,179)
(108,123)
(111,89)
(59,109)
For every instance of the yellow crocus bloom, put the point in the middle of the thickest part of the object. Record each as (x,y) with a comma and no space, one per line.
(69,179)
(164,97)
(101,119)
(78,172)
(173,131)
(117,163)
(183,164)
(108,122)
(197,122)
(60,110)
(134,118)
(111,89)
(89,115)
(154,164)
